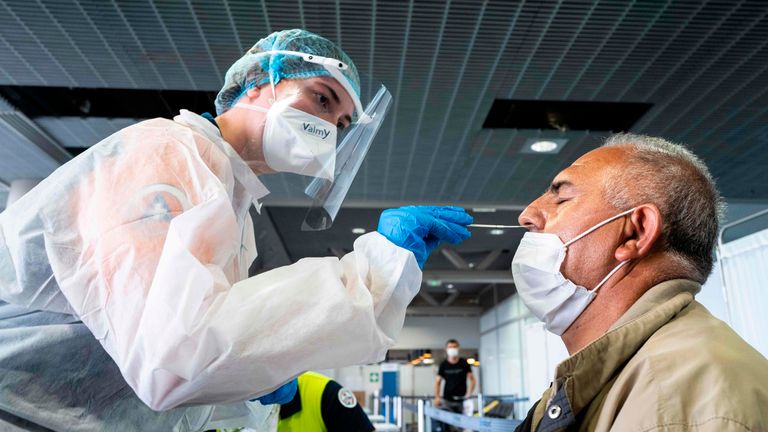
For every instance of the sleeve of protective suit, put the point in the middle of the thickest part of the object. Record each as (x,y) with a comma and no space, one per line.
(201,340)
(157,289)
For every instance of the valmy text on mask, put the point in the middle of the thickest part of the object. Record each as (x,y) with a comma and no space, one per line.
(297,142)
(314,130)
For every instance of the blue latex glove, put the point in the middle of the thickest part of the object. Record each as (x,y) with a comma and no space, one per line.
(420,229)
(282,395)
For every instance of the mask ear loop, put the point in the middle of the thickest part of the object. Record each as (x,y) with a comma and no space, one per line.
(613,272)
(599,225)
(591,230)
(274,95)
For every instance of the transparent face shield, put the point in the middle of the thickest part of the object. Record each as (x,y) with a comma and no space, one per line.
(333,154)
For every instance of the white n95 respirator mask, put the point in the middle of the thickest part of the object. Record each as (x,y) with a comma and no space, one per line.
(549,295)
(297,142)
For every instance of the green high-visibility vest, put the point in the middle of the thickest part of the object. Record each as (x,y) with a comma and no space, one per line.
(310,418)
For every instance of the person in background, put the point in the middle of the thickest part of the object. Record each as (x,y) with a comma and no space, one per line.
(321,405)
(454,372)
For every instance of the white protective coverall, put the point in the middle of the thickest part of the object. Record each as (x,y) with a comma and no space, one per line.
(146,240)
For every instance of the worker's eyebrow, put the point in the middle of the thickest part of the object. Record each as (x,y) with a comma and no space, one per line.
(332,91)
(555,187)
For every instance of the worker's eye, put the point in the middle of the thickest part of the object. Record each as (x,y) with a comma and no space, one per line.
(323,101)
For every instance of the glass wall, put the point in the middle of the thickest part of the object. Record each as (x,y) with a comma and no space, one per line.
(517,355)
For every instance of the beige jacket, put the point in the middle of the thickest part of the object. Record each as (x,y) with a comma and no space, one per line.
(666,365)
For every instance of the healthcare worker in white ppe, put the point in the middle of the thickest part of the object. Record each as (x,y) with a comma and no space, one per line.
(125,302)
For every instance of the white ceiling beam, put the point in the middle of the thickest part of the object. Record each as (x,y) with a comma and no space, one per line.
(455,259)
(444,311)
(29,131)
(468,276)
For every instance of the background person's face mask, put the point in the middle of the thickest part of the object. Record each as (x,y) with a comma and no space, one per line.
(551,297)
(297,142)
(452,352)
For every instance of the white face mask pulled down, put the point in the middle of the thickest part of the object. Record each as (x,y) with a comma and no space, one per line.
(549,295)
(297,142)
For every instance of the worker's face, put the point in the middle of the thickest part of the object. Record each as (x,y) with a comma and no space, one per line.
(321,97)
(574,202)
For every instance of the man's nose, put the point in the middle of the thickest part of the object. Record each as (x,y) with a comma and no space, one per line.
(532,218)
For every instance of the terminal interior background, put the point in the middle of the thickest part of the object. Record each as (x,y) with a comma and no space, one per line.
(461,73)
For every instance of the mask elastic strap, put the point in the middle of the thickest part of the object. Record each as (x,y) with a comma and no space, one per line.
(251,107)
(272,84)
(599,225)
(613,272)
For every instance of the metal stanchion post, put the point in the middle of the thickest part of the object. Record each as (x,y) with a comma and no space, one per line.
(420,416)
(387,410)
(376,403)
(394,410)
(401,415)
(480,405)
(428,419)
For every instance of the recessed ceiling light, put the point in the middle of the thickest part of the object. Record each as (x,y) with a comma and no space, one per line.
(449,286)
(496,231)
(358,230)
(543,146)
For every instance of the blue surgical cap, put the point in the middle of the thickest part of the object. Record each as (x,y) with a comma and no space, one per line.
(255,68)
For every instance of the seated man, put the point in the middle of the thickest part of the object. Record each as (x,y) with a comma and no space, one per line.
(321,405)
(616,251)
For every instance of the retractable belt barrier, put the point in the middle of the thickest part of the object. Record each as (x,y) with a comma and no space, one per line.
(480,424)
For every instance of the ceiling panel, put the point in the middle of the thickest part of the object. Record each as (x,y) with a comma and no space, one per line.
(25,150)
(77,132)
(3,195)
(20,158)
(703,65)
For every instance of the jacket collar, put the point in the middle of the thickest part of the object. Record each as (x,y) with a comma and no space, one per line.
(240,169)
(583,375)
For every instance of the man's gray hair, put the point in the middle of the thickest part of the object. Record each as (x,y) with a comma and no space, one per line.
(679,183)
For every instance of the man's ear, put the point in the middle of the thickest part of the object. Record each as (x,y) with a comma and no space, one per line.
(642,229)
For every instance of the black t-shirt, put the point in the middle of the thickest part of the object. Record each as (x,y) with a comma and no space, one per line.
(455,376)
